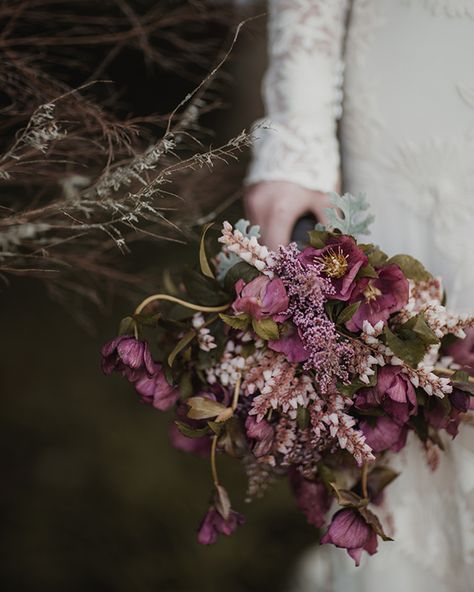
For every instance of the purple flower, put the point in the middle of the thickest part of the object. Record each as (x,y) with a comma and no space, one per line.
(380,297)
(311,497)
(348,530)
(394,393)
(155,390)
(129,356)
(200,446)
(261,298)
(440,416)
(262,432)
(214,524)
(341,260)
(291,346)
(462,351)
(384,434)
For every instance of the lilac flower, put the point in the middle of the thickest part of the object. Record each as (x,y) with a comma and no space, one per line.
(155,390)
(291,346)
(214,524)
(341,260)
(384,434)
(311,497)
(348,530)
(261,298)
(262,432)
(128,356)
(394,393)
(380,297)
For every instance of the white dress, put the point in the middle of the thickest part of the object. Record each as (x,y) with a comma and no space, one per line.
(399,74)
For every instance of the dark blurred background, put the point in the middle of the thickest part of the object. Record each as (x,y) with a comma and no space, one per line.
(93,495)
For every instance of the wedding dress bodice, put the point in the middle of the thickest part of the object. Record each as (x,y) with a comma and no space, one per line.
(384,89)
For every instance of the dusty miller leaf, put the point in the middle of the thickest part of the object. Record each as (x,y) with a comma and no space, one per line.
(350,215)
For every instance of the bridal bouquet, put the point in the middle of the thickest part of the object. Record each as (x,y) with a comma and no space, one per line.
(310,363)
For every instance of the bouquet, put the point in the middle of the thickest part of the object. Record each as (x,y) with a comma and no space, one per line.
(311,363)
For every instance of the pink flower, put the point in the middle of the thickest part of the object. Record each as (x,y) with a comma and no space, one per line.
(384,434)
(440,416)
(262,432)
(155,390)
(261,298)
(214,524)
(348,530)
(341,260)
(128,356)
(380,297)
(394,393)
(311,497)
(200,446)
(291,346)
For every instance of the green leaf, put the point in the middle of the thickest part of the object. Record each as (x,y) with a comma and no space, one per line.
(215,427)
(349,390)
(204,263)
(318,238)
(462,381)
(203,290)
(302,417)
(409,349)
(419,326)
(190,432)
(127,326)
(182,343)
(375,255)
(240,271)
(265,328)
(348,312)
(239,321)
(348,499)
(367,271)
(327,476)
(374,523)
(411,267)
(233,439)
(349,214)
(378,479)
(186,385)
(202,408)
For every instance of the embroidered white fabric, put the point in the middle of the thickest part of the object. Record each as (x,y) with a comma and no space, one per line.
(407,142)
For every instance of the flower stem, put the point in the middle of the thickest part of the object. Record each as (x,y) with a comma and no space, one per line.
(235,400)
(364,475)
(450,372)
(189,305)
(215,478)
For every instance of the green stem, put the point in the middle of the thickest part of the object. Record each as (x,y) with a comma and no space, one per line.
(215,478)
(189,305)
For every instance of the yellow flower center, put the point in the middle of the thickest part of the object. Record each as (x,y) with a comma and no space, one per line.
(334,263)
(371,293)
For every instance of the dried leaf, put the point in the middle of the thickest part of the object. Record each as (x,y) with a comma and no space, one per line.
(203,261)
(222,502)
(202,408)
(182,343)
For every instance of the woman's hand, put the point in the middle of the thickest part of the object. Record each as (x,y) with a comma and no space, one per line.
(277,205)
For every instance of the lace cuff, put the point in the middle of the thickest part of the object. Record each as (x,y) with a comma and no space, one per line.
(303,95)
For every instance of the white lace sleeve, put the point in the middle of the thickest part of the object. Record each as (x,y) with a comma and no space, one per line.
(302,92)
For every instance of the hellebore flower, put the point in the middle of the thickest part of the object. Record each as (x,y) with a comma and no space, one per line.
(291,346)
(384,434)
(311,497)
(394,393)
(348,530)
(200,446)
(462,351)
(341,259)
(380,297)
(155,390)
(441,417)
(214,524)
(129,356)
(262,432)
(261,298)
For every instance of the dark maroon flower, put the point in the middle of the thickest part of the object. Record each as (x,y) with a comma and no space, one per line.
(348,530)
(155,390)
(311,497)
(261,298)
(462,351)
(214,524)
(341,259)
(128,356)
(200,446)
(445,417)
(380,297)
(262,432)
(394,393)
(384,434)
(291,346)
